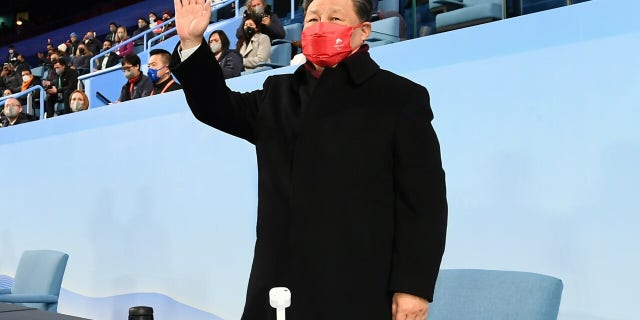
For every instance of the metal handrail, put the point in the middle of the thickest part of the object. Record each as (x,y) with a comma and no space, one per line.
(131,39)
(29,95)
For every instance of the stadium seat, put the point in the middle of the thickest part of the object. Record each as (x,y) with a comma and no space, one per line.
(475,294)
(280,57)
(38,280)
(384,31)
(471,12)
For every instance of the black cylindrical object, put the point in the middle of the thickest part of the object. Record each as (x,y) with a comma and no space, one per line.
(141,313)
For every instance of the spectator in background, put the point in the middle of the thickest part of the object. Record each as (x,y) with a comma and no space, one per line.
(13,114)
(156,22)
(82,58)
(12,56)
(230,61)
(64,82)
(153,21)
(262,12)
(166,16)
(10,79)
(107,60)
(72,44)
(50,73)
(78,101)
(44,58)
(142,27)
(29,81)
(6,92)
(111,35)
(255,47)
(63,52)
(90,41)
(138,85)
(159,72)
(121,38)
(21,64)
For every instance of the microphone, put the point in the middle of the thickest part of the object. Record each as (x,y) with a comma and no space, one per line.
(280,298)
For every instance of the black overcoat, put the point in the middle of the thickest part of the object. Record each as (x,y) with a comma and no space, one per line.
(351,189)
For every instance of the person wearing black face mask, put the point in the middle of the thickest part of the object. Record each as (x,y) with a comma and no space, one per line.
(107,60)
(254,46)
(81,60)
(271,25)
(91,42)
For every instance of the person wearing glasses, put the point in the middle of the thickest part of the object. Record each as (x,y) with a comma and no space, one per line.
(159,72)
(12,114)
(138,85)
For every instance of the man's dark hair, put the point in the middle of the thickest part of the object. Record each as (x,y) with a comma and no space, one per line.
(62,61)
(133,59)
(164,54)
(113,24)
(224,40)
(362,8)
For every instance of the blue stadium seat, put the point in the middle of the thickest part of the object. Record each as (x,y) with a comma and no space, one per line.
(471,12)
(474,294)
(280,57)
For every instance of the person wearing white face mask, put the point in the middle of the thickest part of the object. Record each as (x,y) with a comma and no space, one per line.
(143,26)
(352,207)
(138,85)
(78,101)
(125,47)
(272,26)
(230,61)
(60,87)
(28,81)
(12,113)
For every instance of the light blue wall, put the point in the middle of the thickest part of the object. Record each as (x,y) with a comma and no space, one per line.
(537,121)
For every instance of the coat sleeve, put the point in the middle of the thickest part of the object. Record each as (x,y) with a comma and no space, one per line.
(275,30)
(146,88)
(231,65)
(209,98)
(421,205)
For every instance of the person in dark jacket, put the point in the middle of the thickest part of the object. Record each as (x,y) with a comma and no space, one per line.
(63,81)
(230,61)
(259,10)
(12,113)
(108,59)
(352,208)
(159,73)
(138,85)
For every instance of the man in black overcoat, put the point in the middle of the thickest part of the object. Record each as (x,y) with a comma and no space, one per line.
(352,208)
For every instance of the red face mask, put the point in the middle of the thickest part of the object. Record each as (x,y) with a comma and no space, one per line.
(325,44)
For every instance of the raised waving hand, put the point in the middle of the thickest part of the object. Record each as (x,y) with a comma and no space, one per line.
(192,19)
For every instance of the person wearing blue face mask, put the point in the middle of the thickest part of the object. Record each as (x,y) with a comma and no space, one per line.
(159,72)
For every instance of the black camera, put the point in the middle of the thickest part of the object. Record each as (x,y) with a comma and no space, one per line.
(266,13)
